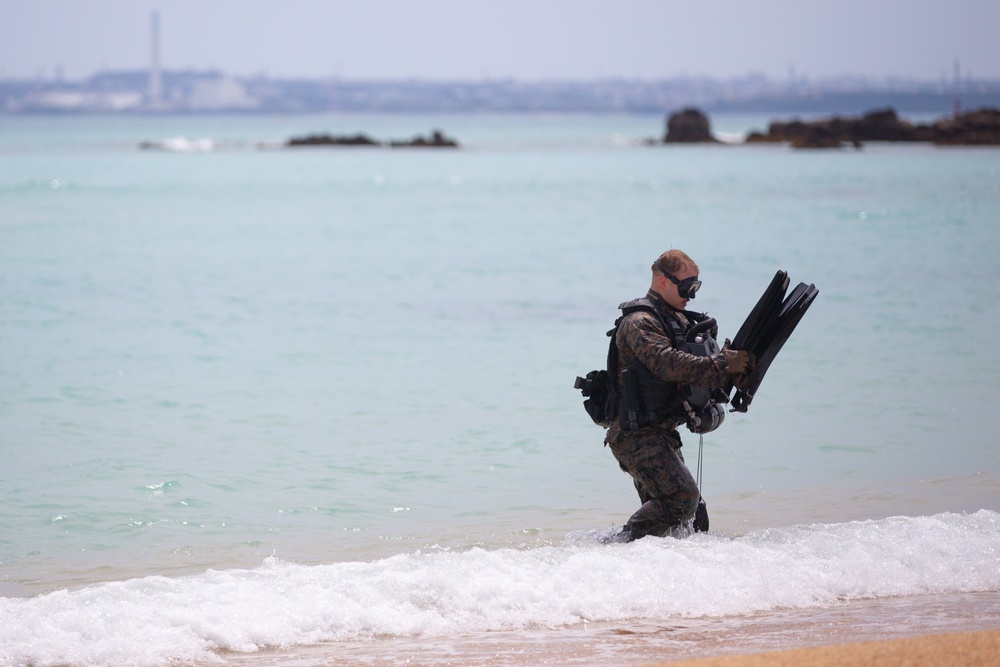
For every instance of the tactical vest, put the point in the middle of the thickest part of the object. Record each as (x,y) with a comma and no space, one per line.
(645,399)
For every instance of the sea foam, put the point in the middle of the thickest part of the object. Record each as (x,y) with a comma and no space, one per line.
(157,620)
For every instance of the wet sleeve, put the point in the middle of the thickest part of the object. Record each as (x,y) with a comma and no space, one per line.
(645,336)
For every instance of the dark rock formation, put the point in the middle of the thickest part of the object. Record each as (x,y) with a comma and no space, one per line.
(689,126)
(972,128)
(881,125)
(437,140)
(333,140)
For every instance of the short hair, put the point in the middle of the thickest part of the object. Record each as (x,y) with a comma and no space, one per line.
(673,262)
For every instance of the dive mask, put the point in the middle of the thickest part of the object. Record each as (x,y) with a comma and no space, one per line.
(686,288)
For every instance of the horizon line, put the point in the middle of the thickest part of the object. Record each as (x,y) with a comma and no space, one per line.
(750,76)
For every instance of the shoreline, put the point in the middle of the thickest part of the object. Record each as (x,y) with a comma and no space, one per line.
(955,649)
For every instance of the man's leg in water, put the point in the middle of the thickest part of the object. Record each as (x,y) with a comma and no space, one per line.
(664,483)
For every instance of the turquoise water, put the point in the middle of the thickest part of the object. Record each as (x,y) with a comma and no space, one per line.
(261,404)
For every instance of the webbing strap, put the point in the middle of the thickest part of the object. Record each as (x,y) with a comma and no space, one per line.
(701,448)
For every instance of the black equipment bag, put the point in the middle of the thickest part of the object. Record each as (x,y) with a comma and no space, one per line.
(601,397)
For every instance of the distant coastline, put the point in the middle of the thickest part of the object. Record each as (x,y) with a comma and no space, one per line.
(184,92)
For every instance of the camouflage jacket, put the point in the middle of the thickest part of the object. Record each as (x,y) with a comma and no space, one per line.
(641,337)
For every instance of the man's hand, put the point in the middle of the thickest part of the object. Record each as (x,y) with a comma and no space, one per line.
(740,361)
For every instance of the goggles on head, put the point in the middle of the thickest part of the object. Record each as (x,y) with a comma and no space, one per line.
(686,288)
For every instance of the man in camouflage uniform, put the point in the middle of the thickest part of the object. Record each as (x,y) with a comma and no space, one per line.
(651,454)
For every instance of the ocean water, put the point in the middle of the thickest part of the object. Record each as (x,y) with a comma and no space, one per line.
(268,406)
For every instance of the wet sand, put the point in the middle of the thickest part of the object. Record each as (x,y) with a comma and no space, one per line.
(961,649)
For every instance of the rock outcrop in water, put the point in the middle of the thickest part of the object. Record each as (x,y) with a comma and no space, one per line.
(333,140)
(437,139)
(978,127)
(688,126)
(974,128)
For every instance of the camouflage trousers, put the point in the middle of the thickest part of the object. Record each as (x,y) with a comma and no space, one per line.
(667,490)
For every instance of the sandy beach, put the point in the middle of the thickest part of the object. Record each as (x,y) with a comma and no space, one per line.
(961,649)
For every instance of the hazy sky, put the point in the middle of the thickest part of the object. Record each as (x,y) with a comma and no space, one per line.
(522,39)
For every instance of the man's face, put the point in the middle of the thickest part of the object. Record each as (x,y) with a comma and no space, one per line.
(668,290)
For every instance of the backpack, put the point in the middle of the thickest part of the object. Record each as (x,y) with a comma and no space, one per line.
(600,387)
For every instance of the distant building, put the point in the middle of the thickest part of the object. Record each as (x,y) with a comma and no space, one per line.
(224,94)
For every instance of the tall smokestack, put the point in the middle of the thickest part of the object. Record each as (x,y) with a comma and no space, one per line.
(155,92)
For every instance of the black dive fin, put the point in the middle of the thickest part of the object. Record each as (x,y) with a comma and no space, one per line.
(753,331)
(790,305)
(766,329)
(778,332)
(767,308)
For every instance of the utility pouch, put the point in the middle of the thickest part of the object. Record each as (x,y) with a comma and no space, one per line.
(632,413)
(601,397)
(646,400)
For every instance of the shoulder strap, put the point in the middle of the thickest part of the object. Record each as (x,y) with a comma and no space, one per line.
(672,325)
(627,308)
(669,324)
